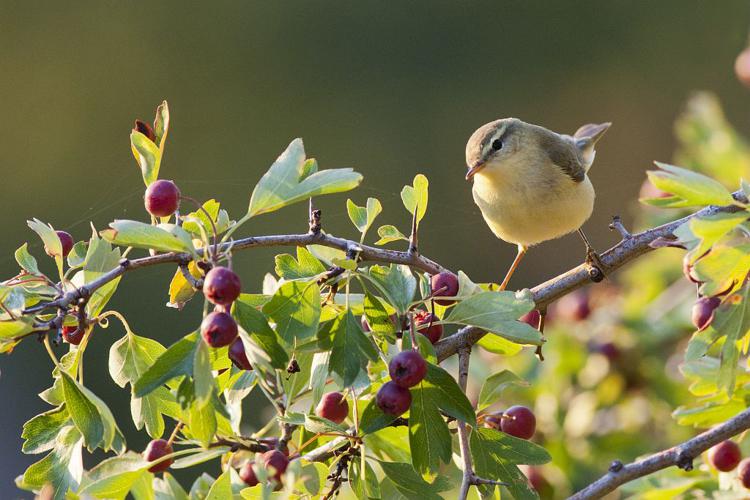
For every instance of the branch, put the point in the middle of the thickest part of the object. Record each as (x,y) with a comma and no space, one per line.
(463,434)
(628,249)
(681,455)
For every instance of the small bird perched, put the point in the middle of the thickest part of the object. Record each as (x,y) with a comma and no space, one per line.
(530,183)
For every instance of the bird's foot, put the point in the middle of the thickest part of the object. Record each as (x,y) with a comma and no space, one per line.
(595,265)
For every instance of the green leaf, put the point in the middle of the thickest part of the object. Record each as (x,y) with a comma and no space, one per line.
(291,179)
(203,379)
(306,266)
(163,237)
(161,125)
(114,477)
(447,395)
(365,486)
(389,233)
(202,423)
(363,217)
(40,433)
(197,222)
(174,362)
(201,456)
(148,156)
(378,319)
(62,467)
(51,241)
(429,437)
(100,259)
(498,345)
(411,484)
(373,419)
(91,416)
(496,454)
(351,348)
(254,323)
(221,489)
(167,488)
(319,425)
(689,188)
(180,289)
(732,319)
(723,268)
(495,384)
(397,282)
(415,196)
(295,308)
(711,229)
(26,260)
(77,255)
(497,312)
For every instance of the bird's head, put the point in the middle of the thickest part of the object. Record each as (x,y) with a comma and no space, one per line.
(492,145)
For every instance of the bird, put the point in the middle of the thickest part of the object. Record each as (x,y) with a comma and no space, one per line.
(531,183)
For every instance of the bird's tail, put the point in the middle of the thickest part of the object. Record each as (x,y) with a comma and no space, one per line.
(586,137)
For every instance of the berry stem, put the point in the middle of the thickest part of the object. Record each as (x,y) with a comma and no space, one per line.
(175,431)
(198,204)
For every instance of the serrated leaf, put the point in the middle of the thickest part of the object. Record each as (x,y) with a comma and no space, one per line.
(363,481)
(91,416)
(711,229)
(411,484)
(429,437)
(319,425)
(197,222)
(26,260)
(163,237)
(174,362)
(40,433)
(100,259)
(52,244)
(167,488)
(203,381)
(732,319)
(77,255)
(415,196)
(495,384)
(498,345)
(351,349)
(202,423)
(254,323)
(62,467)
(291,179)
(389,233)
(221,489)
(724,267)
(304,267)
(396,282)
(295,308)
(114,477)
(363,217)
(447,395)
(689,188)
(497,312)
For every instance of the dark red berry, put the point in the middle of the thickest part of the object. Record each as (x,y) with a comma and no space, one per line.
(162,198)
(493,420)
(218,329)
(703,311)
(725,456)
(407,368)
(742,67)
(608,350)
(247,474)
(393,399)
(277,461)
(66,242)
(574,306)
(221,286)
(531,318)
(518,421)
(154,451)
(72,334)
(423,320)
(743,473)
(145,129)
(273,443)
(444,284)
(238,356)
(333,406)
(537,480)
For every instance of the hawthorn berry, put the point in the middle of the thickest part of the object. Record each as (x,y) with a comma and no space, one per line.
(72,334)
(218,329)
(162,198)
(531,318)
(333,406)
(145,129)
(743,473)
(156,449)
(238,356)
(725,456)
(574,306)
(444,284)
(609,350)
(247,474)
(703,311)
(742,67)
(393,399)
(407,368)
(221,286)
(518,421)
(276,460)
(422,320)
(66,241)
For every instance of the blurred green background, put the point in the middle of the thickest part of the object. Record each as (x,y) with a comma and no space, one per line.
(392,91)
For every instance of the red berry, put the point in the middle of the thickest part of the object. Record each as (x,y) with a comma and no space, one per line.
(743,473)
(725,456)
(422,322)
(393,399)
(536,479)
(703,311)
(493,421)
(574,306)
(518,421)
(72,334)
(221,286)
(162,198)
(608,350)
(66,241)
(531,318)
(407,368)
(247,474)
(145,129)
(333,406)
(742,67)
(277,461)
(444,284)
(238,356)
(155,450)
(218,329)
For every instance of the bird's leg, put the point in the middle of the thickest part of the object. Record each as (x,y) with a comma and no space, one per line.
(521,252)
(596,271)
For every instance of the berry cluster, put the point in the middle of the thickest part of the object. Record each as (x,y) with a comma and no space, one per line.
(726,456)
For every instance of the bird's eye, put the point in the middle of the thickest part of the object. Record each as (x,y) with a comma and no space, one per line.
(497,144)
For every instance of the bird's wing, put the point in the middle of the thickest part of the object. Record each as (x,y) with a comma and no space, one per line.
(562,151)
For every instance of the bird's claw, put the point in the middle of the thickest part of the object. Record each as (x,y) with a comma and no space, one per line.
(595,265)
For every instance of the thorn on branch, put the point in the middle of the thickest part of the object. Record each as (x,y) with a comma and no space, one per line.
(314,220)
(413,238)
(618,226)
(195,283)
(293,367)
(615,466)
(684,461)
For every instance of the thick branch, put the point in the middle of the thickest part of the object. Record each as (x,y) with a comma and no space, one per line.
(681,455)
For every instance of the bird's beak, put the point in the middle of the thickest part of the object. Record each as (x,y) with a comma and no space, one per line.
(473,170)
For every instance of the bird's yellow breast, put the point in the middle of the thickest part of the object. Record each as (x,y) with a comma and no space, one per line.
(528,208)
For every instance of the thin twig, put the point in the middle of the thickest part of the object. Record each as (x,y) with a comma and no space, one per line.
(618,226)
(194,282)
(464,355)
